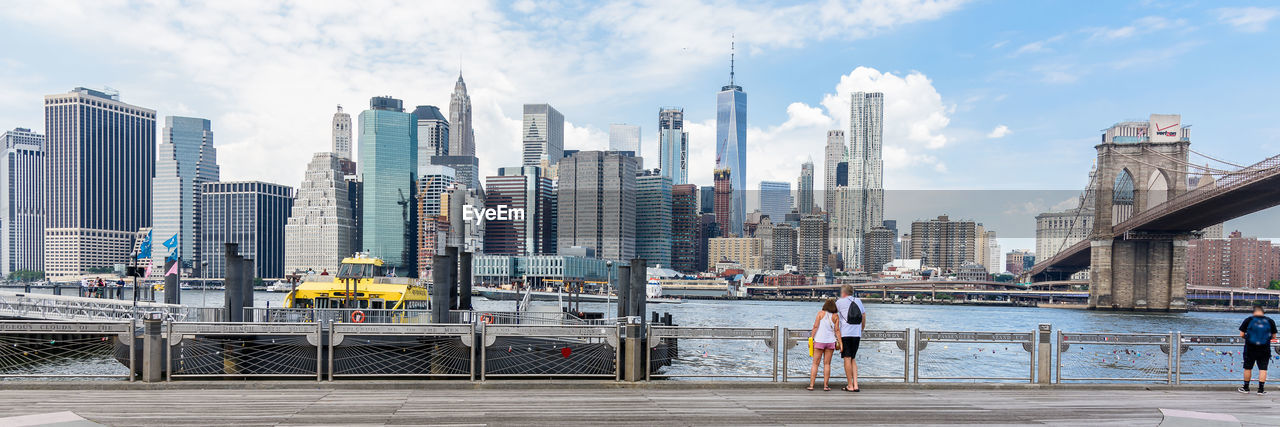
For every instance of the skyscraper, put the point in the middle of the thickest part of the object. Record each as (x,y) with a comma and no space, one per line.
(543,136)
(805,186)
(673,145)
(877,247)
(724,202)
(433,135)
(100,159)
(321,222)
(388,167)
(812,244)
(462,140)
(432,224)
(731,145)
(624,137)
(342,134)
(784,246)
(185,160)
(653,218)
(252,214)
(684,228)
(597,203)
(775,200)
(22,201)
(836,152)
(528,189)
(706,199)
(866,120)
(943,243)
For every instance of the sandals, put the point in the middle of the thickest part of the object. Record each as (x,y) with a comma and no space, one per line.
(851,390)
(826,388)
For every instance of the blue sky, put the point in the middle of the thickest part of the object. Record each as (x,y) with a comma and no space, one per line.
(987,94)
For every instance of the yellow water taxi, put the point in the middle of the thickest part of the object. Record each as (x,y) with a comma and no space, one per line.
(362,283)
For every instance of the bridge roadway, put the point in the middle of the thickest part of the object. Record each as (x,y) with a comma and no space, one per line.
(660,403)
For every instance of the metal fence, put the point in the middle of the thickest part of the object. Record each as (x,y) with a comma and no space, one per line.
(1211,358)
(709,352)
(398,350)
(1092,357)
(335,315)
(550,351)
(953,356)
(66,349)
(244,350)
(882,355)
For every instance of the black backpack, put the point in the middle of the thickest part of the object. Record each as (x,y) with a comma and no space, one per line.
(855,313)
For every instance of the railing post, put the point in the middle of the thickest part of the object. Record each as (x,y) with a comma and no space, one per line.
(786,353)
(906,356)
(1175,358)
(484,337)
(1057,361)
(777,333)
(915,356)
(152,348)
(1044,350)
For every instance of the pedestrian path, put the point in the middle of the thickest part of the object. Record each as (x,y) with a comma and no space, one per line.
(588,404)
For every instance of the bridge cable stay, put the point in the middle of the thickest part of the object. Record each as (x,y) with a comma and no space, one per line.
(1207,170)
(1076,221)
(1215,159)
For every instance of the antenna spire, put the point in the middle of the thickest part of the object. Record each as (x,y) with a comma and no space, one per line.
(731,52)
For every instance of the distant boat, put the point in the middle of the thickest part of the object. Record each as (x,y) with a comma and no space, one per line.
(509,295)
(279,286)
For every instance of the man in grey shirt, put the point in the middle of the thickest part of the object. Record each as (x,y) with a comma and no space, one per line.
(850,335)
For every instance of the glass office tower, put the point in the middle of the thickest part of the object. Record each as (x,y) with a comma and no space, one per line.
(388,167)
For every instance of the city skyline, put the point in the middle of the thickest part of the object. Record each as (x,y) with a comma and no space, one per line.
(1077,59)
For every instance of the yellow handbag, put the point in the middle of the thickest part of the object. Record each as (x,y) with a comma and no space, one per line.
(810,346)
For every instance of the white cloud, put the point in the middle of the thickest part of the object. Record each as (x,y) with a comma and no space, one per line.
(1000,131)
(1248,19)
(1144,25)
(269,75)
(1038,46)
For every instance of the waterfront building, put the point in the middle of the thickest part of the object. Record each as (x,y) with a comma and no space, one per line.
(432,224)
(388,167)
(1057,231)
(462,139)
(318,233)
(185,160)
(543,137)
(981,246)
(812,245)
(684,228)
(866,168)
(653,218)
(433,135)
(596,199)
(992,260)
(836,152)
(673,145)
(724,203)
(972,271)
(943,243)
(342,134)
(99,163)
(624,137)
(22,201)
(764,232)
(731,146)
(1235,261)
(538,270)
(1018,260)
(525,188)
(783,252)
(877,249)
(252,214)
(804,203)
(745,251)
(775,199)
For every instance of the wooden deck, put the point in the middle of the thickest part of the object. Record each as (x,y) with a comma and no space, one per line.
(636,406)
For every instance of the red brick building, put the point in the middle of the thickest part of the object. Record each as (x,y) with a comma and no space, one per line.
(1236,261)
(788,279)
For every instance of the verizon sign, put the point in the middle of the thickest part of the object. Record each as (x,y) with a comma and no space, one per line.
(1164,127)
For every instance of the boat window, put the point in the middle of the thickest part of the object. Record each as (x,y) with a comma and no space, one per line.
(322,303)
(302,303)
(345,270)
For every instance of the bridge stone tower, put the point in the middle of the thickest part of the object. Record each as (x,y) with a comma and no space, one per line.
(1140,166)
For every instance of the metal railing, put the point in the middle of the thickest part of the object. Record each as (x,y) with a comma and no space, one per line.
(244,350)
(334,315)
(401,350)
(999,350)
(693,358)
(550,351)
(879,353)
(1096,357)
(1210,358)
(70,308)
(30,349)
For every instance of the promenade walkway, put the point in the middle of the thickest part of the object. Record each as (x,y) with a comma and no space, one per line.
(668,404)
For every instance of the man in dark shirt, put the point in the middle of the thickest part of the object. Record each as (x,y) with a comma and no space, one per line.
(1257,330)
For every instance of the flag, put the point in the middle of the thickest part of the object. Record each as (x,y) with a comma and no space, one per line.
(144,250)
(172,242)
(172,270)
(147,272)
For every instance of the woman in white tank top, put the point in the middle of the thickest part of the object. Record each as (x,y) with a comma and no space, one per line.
(826,341)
